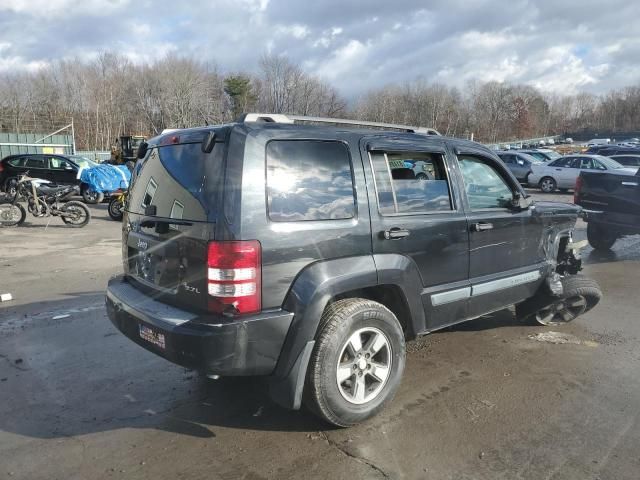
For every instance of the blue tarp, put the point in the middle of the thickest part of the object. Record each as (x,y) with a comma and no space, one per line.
(106,177)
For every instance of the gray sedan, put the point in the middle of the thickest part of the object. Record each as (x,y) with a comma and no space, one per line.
(563,172)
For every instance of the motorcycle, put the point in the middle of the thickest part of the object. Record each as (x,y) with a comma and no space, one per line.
(43,200)
(116,204)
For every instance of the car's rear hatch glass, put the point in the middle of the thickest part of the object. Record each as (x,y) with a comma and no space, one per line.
(171,214)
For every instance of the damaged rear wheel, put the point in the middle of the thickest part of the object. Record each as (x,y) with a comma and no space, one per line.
(580,294)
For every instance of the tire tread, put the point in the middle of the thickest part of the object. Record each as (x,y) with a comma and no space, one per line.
(333,315)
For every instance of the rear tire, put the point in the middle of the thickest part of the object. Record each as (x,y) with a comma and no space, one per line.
(89,195)
(115,209)
(83,214)
(580,294)
(599,238)
(548,185)
(357,362)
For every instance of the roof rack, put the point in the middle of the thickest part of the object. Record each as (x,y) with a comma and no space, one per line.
(282,118)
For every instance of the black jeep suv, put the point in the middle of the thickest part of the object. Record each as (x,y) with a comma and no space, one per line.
(307,250)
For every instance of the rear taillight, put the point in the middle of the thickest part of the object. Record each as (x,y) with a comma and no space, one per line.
(234,277)
(577,188)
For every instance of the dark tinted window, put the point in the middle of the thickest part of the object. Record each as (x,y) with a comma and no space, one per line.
(178,179)
(484,186)
(17,162)
(309,180)
(627,160)
(411,182)
(35,162)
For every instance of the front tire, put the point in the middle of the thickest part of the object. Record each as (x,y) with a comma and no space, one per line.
(548,185)
(357,362)
(599,238)
(579,295)
(89,195)
(12,214)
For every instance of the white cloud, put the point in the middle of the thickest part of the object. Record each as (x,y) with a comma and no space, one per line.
(296,30)
(343,60)
(556,45)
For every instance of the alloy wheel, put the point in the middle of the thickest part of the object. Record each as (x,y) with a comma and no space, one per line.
(547,185)
(364,365)
(562,311)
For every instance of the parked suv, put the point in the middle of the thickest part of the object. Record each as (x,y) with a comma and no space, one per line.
(311,253)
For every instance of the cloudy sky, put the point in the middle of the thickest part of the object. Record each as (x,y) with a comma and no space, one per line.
(562,46)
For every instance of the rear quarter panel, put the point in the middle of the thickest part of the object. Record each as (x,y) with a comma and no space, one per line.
(289,247)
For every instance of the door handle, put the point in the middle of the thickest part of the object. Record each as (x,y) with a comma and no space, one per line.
(396,233)
(558,169)
(481,227)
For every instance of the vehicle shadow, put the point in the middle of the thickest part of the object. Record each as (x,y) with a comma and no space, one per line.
(66,371)
(500,319)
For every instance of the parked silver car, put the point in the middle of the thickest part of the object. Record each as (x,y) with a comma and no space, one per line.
(563,172)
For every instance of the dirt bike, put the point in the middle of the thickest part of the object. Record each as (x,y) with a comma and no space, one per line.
(116,204)
(43,200)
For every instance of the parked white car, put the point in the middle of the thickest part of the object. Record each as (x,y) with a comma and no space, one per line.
(563,172)
(598,141)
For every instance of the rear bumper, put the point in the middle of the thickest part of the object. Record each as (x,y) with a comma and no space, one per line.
(250,346)
(624,224)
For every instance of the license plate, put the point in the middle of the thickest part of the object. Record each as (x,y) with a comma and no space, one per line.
(152,336)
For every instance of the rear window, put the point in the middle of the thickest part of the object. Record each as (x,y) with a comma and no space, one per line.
(309,180)
(179,181)
(16,162)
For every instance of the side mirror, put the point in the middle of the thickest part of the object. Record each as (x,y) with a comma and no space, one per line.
(209,142)
(521,162)
(142,150)
(520,202)
(68,167)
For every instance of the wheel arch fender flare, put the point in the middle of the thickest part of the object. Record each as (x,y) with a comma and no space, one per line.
(309,295)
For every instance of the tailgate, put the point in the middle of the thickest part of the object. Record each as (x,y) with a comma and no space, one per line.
(171,216)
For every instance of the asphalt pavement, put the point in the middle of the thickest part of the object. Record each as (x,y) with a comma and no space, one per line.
(483,400)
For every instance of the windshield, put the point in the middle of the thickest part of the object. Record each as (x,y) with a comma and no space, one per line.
(533,159)
(82,162)
(539,156)
(552,155)
(608,162)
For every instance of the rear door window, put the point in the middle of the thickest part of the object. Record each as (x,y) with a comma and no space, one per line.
(36,162)
(562,162)
(309,180)
(411,182)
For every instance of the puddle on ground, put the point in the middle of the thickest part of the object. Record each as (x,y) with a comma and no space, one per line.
(560,338)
